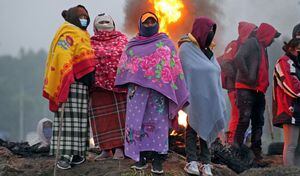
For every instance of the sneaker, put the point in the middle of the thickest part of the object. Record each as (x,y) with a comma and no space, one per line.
(140,165)
(157,167)
(192,168)
(206,169)
(118,154)
(64,163)
(76,160)
(103,155)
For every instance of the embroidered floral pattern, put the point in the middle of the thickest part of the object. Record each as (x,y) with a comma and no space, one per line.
(132,136)
(159,103)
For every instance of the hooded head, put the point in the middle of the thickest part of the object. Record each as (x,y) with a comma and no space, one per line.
(245,29)
(104,22)
(78,16)
(204,30)
(44,131)
(296,31)
(266,34)
(148,24)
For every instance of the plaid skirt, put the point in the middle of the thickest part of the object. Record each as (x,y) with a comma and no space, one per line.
(108,118)
(75,127)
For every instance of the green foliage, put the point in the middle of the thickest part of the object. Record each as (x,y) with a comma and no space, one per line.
(21,81)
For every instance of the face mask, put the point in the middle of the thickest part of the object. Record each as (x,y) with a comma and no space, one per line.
(83,22)
(47,133)
(105,27)
(148,31)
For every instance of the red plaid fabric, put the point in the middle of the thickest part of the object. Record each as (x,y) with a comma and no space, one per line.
(107,116)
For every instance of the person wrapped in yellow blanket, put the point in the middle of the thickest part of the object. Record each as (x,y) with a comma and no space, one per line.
(69,73)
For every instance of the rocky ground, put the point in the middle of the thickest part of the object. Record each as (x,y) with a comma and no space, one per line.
(13,165)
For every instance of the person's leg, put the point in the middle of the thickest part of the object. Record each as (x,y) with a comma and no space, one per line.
(142,163)
(234,117)
(245,102)
(257,123)
(74,129)
(157,163)
(191,151)
(291,138)
(82,123)
(104,155)
(119,154)
(191,144)
(205,156)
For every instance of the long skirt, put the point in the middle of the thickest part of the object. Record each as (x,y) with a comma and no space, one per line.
(108,118)
(147,122)
(74,136)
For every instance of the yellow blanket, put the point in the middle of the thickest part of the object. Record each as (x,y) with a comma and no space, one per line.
(70,57)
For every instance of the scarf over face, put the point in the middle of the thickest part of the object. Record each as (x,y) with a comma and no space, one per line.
(108,47)
(70,57)
(152,62)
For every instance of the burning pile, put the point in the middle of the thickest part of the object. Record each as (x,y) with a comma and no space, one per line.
(168,11)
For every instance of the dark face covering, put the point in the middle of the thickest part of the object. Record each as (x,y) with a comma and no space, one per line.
(150,30)
(210,37)
(73,16)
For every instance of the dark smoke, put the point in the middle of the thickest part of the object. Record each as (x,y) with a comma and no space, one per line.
(193,8)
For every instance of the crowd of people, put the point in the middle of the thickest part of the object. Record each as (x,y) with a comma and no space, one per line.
(129,92)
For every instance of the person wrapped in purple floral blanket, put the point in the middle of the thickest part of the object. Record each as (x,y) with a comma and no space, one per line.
(152,71)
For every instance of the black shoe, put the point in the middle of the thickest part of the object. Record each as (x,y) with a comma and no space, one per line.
(64,163)
(140,165)
(259,163)
(76,160)
(157,167)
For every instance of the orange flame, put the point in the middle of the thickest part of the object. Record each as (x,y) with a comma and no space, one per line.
(167,11)
(173,133)
(182,118)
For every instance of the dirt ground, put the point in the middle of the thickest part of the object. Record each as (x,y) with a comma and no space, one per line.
(12,165)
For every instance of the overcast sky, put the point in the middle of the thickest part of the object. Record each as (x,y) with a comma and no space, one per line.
(33,23)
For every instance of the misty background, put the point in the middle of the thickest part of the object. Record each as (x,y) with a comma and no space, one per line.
(27,29)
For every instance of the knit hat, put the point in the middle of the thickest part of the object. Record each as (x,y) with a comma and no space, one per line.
(104,22)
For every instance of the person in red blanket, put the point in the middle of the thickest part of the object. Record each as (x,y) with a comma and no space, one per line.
(252,81)
(286,99)
(108,103)
(228,73)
